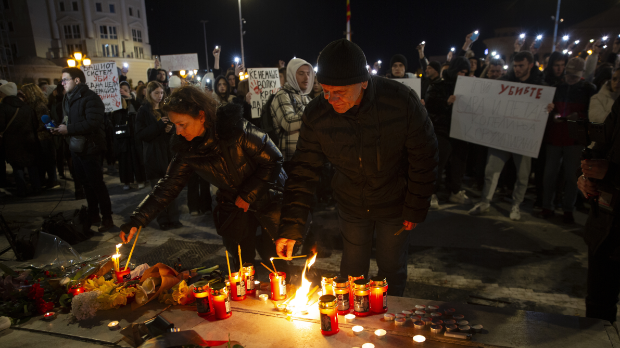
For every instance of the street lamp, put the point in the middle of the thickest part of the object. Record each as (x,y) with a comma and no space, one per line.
(204,28)
(78,60)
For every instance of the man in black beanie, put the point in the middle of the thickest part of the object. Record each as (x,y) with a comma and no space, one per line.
(379,139)
(399,67)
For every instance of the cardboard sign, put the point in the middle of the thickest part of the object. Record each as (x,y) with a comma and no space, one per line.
(102,78)
(176,62)
(509,116)
(413,83)
(263,83)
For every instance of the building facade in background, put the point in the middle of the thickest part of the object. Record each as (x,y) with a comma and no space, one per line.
(52,30)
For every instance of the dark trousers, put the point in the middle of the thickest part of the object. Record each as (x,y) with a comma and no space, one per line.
(60,159)
(198,194)
(170,214)
(20,179)
(48,162)
(129,165)
(604,278)
(89,173)
(452,152)
(3,180)
(391,252)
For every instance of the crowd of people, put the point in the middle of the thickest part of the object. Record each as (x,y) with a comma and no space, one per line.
(337,135)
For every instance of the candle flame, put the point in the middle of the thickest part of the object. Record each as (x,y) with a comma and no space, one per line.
(116,256)
(119,245)
(301,295)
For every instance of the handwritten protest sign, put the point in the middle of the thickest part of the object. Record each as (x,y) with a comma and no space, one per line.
(413,83)
(504,115)
(102,78)
(263,83)
(176,62)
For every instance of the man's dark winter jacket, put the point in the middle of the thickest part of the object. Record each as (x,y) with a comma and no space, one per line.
(568,100)
(384,154)
(20,139)
(536,77)
(256,161)
(86,111)
(156,152)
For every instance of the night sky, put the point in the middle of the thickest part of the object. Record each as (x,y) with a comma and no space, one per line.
(281,29)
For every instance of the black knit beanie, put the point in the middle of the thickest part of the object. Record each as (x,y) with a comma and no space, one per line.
(342,63)
(435,65)
(400,59)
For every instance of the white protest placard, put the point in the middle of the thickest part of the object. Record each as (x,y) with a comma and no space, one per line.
(509,116)
(176,62)
(102,78)
(263,83)
(413,83)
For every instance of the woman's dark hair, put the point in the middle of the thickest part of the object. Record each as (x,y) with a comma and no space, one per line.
(548,74)
(457,64)
(223,97)
(190,100)
(603,74)
(75,73)
(153,85)
(139,91)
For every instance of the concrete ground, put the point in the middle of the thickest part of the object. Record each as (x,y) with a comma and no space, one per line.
(531,264)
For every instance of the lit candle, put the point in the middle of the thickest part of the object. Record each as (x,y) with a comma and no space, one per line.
(349,318)
(419,339)
(237,285)
(327,283)
(118,246)
(329,315)
(49,315)
(357,330)
(221,303)
(278,286)
(378,295)
(263,297)
(248,269)
(204,303)
(352,285)
(341,291)
(361,299)
(368,345)
(114,325)
(380,333)
(451,327)
(436,329)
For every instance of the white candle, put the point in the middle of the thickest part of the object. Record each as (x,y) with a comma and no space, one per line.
(368,345)
(357,330)
(349,318)
(114,325)
(388,316)
(419,339)
(380,333)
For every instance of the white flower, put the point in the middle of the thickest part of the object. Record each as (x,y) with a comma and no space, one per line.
(85,305)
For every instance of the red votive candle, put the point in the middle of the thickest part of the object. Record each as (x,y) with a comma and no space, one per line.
(341,288)
(329,315)
(221,303)
(327,283)
(352,285)
(204,303)
(378,295)
(237,286)
(361,299)
(248,269)
(278,286)
(123,276)
(76,290)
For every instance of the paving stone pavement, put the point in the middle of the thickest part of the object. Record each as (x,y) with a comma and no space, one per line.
(489,260)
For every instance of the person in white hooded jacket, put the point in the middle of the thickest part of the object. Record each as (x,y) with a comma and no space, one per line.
(289,103)
(601,102)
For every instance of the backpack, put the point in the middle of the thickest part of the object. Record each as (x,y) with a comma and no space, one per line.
(72,226)
(266,120)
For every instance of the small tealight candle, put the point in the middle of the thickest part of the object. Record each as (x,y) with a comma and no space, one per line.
(477,327)
(420,312)
(401,315)
(418,324)
(400,321)
(49,315)
(427,321)
(114,325)
(368,345)
(433,308)
(389,316)
(458,316)
(450,322)
(462,322)
(349,318)
(451,328)
(465,328)
(263,297)
(437,322)
(436,329)
(380,333)
(436,314)
(420,306)
(407,314)
(357,330)
(419,339)
(282,307)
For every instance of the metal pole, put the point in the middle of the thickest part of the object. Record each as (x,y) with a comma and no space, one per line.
(241,33)
(555,30)
(204,28)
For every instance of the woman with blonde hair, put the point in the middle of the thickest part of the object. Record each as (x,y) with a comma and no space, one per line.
(34,97)
(154,129)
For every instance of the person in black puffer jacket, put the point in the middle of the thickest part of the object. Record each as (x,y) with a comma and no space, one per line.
(85,110)
(381,143)
(233,155)
(439,100)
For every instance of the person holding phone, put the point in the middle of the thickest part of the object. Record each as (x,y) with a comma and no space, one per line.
(158,74)
(154,129)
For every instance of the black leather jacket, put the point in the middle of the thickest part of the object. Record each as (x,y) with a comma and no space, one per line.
(256,161)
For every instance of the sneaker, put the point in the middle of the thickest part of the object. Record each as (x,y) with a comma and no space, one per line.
(515,214)
(480,209)
(194,213)
(126,187)
(459,198)
(140,186)
(106,224)
(569,218)
(434,202)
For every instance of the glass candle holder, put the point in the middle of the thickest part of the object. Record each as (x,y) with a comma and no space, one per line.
(329,315)
(237,285)
(248,269)
(227,282)
(341,291)
(361,299)
(204,303)
(123,276)
(378,295)
(221,303)
(352,285)
(278,286)
(327,283)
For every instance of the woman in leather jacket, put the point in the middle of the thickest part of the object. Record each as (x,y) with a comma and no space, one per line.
(233,155)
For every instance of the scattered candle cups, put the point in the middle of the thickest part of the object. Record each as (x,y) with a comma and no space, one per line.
(465,328)
(418,307)
(458,316)
(401,316)
(449,322)
(433,308)
(238,287)
(451,328)
(463,322)
(427,321)
(389,316)
(436,329)
(349,318)
(407,314)
(449,311)
(123,276)
(264,297)
(357,330)
(380,333)
(400,321)
(420,312)
(204,303)
(418,324)
(361,298)
(477,327)
(342,292)
(221,301)
(51,316)
(419,339)
(437,322)
(436,315)
(114,325)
